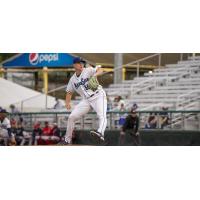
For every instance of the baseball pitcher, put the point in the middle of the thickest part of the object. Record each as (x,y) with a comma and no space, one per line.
(84,82)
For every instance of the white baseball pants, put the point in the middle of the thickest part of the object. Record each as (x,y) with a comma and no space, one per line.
(99,103)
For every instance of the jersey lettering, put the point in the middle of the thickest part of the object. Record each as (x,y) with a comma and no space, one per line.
(82,82)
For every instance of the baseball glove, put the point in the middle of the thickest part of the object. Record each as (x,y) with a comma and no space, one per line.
(93,83)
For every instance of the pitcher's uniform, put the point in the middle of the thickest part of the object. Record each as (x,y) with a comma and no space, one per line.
(90,99)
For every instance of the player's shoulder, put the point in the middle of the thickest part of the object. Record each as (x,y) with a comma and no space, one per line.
(86,69)
(89,68)
(72,77)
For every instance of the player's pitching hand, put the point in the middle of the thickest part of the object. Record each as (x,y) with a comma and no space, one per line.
(68,106)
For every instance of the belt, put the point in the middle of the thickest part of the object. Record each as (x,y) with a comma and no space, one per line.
(94,94)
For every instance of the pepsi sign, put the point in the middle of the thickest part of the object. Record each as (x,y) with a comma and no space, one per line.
(37,60)
(33,58)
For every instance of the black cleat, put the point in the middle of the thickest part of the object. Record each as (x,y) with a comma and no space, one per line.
(63,143)
(99,135)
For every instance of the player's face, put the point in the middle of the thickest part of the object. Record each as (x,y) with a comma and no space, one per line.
(78,66)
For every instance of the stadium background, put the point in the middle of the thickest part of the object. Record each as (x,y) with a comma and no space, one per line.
(184,131)
(57,78)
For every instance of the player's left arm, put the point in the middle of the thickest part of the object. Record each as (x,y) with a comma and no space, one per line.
(99,71)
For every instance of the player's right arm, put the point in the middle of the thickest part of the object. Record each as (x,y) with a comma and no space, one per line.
(68,100)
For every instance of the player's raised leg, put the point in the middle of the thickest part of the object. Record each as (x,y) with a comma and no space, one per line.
(81,109)
(100,106)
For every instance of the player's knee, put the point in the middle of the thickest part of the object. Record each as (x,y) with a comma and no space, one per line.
(72,117)
(102,117)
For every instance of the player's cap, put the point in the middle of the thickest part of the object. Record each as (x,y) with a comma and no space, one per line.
(78,60)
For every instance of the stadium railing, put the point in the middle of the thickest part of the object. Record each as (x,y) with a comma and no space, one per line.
(177,120)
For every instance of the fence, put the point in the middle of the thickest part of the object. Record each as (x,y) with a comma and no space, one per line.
(176,120)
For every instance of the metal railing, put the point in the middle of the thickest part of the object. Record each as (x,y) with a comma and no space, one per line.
(39,95)
(159,55)
(185,99)
(186,120)
(144,59)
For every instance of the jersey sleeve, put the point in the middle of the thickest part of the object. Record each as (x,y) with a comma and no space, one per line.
(70,87)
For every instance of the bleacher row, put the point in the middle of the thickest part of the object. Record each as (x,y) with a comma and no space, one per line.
(174,86)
